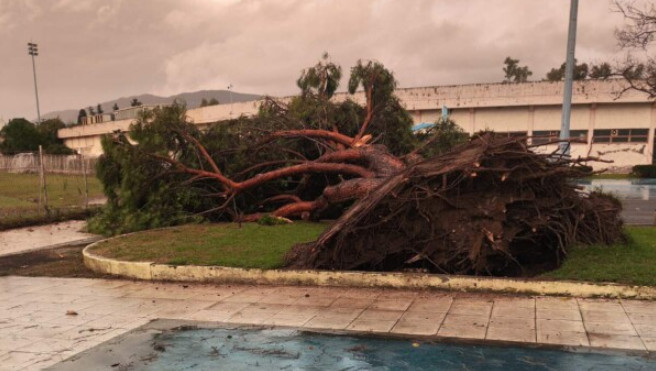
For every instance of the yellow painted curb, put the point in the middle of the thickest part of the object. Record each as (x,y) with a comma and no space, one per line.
(217,274)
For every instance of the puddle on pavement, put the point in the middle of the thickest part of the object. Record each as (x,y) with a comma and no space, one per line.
(191,348)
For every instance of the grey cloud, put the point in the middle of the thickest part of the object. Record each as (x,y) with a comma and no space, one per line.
(96,50)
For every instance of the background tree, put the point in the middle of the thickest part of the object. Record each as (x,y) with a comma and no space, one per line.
(601,71)
(203,102)
(92,111)
(49,140)
(637,35)
(558,74)
(213,102)
(81,115)
(514,73)
(115,107)
(19,135)
(135,103)
(99,109)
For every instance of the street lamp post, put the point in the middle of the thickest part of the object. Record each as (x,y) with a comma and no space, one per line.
(33,50)
(569,74)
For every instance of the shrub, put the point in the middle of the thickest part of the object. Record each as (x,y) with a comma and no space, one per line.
(644,171)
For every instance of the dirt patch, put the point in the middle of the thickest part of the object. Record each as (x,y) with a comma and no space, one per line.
(61,262)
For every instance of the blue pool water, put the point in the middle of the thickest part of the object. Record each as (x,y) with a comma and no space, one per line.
(281,349)
(640,189)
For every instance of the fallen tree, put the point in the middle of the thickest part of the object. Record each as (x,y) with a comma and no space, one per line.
(489,207)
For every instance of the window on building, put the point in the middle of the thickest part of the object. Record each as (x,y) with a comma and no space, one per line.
(620,136)
(545,136)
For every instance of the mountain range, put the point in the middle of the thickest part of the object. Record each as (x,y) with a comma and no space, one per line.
(192,99)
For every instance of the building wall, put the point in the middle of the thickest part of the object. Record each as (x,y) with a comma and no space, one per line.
(599,115)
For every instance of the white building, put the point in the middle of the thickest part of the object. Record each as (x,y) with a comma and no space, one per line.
(617,128)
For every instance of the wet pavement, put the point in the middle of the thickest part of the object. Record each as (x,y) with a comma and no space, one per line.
(46,320)
(33,238)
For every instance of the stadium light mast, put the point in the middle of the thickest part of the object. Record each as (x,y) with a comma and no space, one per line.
(33,50)
(564,147)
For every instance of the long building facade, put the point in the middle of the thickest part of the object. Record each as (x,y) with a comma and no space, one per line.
(618,128)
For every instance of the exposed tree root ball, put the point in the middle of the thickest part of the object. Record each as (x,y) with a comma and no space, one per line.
(489,207)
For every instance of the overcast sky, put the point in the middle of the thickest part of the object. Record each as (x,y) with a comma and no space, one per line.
(96,50)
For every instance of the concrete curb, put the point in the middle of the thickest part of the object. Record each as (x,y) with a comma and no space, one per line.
(218,274)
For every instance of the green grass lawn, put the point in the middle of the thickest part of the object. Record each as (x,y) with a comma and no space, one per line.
(251,246)
(256,246)
(19,193)
(633,263)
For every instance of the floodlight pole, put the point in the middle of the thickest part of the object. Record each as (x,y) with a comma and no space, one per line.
(33,50)
(230,91)
(569,75)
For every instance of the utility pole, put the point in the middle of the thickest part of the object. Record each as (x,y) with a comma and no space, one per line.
(564,146)
(33,50)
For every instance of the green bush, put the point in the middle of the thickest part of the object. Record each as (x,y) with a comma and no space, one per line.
(644,171)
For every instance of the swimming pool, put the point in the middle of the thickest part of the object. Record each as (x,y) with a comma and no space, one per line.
(286,349)
(631,188)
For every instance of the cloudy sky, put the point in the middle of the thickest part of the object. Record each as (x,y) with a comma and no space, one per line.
(96,50)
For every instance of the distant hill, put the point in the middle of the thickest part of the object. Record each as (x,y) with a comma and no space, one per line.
(192,99)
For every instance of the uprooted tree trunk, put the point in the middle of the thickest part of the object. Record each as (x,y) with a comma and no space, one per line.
(490,207)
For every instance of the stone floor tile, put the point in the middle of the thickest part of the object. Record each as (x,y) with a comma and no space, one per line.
(642,318)
(19,360)
(391,304)
(650,343)
(562,338)
(465,332)
(510,312)
(371,325)
(616,341)
(14,341)
(210,316)
(431,304)
(352,303)
(286,321)
(471,327)
(556,303)
(315,301)
(504,333)
(514,302)
(49,346)
(470,307)
(45,331)
(339,312)
(410,326)
(279,299)
(507,322)
(255,313)
(243,298)
(397,294)
(358,293)
(594,315)
(227,307)
(646,330)
(329,323)
(433,316)
(383,315)
(555,325)
(565,314)
(610,328)
(600,304)
(639,306)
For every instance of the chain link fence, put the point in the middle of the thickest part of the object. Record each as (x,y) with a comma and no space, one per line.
(33,184)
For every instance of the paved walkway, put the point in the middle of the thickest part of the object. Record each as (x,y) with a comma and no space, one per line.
(45,320)
(33,238)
